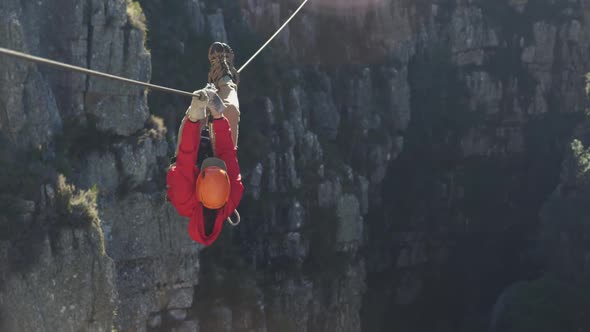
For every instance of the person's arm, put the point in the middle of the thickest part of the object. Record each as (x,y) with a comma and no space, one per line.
(181,175)
(227,151)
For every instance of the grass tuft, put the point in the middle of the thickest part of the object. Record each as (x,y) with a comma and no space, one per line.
(156,127)
(136,15)
(76,207)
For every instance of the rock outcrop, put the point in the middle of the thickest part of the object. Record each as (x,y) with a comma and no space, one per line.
(56,274)
(101,136)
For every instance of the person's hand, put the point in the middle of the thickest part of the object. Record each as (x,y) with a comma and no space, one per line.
(215,104)
(198,109)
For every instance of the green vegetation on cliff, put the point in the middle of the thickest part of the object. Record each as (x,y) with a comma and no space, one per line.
(559,300)
(136,15)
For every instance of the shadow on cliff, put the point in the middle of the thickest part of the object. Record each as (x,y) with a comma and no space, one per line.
(475,217)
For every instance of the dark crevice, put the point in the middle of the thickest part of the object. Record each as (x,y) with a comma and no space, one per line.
(489,231)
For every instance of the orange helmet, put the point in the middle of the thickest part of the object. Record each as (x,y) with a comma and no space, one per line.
(213,184)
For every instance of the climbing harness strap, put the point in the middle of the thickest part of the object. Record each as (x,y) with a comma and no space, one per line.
(208,136)
(237,222)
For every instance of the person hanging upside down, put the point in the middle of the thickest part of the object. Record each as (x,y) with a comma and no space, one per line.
(209,195)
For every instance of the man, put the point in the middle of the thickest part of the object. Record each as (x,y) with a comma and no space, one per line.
(210,195)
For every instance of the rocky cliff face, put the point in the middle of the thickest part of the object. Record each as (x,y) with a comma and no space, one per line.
(128,258)
(417,140)
(396,157)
